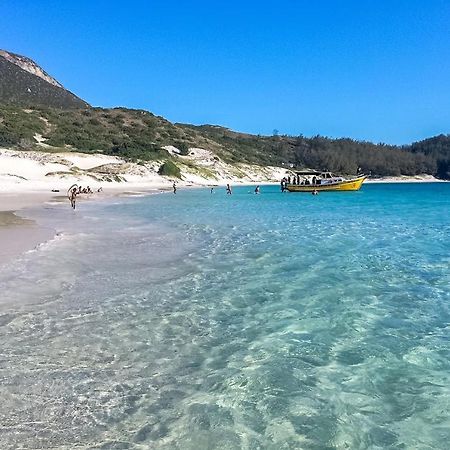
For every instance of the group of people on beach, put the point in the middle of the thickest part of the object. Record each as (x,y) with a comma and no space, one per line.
(86,190)
(75,190)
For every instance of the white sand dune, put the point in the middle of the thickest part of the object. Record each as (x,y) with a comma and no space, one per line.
(35,171)
(45,171)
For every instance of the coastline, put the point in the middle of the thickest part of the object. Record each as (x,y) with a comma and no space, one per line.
(20,232)
(406,179)
(31,179)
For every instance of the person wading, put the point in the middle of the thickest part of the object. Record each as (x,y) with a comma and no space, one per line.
(73,197)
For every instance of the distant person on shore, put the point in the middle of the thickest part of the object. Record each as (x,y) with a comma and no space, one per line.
(229,189)
(89,190)
(257,189)
(73,197)
(100,189)
(174,187)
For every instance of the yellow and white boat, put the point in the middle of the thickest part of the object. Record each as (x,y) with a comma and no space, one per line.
(310,181)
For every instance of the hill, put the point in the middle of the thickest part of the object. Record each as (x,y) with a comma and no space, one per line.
(140,135)
(23,82)
(36,112)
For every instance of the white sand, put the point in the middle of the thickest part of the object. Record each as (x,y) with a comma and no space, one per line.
(27,178)
(34,171)
(39,171)
(406,179)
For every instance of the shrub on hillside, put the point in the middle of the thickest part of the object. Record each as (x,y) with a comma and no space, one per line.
(169,169)
(183,147)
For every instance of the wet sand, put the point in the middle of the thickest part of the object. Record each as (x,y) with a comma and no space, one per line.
(19,234)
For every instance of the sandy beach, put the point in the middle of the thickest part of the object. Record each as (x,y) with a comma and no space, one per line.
(29,179)
(20,233)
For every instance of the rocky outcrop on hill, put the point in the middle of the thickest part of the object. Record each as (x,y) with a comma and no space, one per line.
(23,82)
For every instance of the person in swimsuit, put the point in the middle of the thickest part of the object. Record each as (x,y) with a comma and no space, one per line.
(73,197)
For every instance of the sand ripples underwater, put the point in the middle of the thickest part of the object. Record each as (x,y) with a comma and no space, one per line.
(202,321)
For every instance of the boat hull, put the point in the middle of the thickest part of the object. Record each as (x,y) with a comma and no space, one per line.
(347,185)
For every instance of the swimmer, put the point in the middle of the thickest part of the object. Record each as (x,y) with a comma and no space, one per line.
(257,189)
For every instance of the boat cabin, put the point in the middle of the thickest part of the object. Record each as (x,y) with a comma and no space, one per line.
(315,178)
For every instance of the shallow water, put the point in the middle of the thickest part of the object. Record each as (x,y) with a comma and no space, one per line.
(202,321)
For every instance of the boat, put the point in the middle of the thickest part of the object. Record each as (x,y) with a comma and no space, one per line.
(311,180)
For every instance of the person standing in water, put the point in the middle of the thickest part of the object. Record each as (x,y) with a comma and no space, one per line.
(73,197)
(229,189)
(257,189)
(174,187)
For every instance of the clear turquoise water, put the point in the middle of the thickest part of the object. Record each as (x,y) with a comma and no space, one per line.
(199,321)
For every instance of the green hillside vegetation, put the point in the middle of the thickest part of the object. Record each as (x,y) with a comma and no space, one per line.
(131,134)
(170,169)
(138,135)
(337,155)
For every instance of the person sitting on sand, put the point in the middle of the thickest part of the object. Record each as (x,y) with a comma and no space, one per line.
(73,197)
(100,189)
(229,189)
(89,190)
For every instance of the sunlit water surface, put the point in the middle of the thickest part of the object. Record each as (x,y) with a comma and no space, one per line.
(206,321)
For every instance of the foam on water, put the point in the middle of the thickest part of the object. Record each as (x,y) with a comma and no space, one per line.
(207,321)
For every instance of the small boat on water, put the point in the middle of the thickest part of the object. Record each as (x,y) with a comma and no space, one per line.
(310,181)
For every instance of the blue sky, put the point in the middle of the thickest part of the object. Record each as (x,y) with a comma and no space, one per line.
(370,70)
